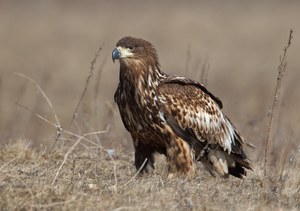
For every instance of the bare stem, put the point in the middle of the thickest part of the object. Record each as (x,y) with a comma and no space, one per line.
(92,68)
(204,73)
(57,123)
(97,92)
(83,137)
(188,58)
(65,158)
(139,170)
(281,72)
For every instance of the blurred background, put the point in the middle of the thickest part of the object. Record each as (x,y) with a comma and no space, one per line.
(54,42)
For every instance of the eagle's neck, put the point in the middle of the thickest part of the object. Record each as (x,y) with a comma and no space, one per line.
(140,75)
(139,82)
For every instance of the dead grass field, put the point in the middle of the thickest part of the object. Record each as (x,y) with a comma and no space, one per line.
(54,42)
(96,181)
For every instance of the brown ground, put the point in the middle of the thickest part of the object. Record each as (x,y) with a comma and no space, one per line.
(54,43)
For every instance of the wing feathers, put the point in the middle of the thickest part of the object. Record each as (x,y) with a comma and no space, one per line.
(195,109)
(187,81)
(195,115)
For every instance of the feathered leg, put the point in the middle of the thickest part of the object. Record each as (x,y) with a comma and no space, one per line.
(180,158)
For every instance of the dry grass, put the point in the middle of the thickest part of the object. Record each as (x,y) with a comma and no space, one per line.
(93,181)
(235,45)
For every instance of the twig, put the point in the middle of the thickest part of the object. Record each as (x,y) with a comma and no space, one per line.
(11,123)
(69,151)
(5,164)
(97,92)
(281,72)
(66,131)
(26,187)
(57,124)
(46,77)
(111,107)
(72,140)
(204,72)
(284,157)
(115,174)
(142,166)
(65,158)
(92,67)
(51,205)
(188,58)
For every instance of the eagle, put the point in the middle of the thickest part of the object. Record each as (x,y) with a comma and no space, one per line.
(174,116)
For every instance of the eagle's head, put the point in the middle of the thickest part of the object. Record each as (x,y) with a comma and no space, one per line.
(130,50)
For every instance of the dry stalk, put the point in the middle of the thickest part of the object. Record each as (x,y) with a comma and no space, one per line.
(281,180)
(281,73)
(54,204)
(111,108)
(87,134)
(285,155)
(11,123)
(142,166)
(70,150)
(46,78)
(115,174)
(92,68)
(204,68)
(57,124)
(7,163)
(26,188)
(65,158)
(97,92)
(66,131)
(71,140)
(204,72)
(188,58)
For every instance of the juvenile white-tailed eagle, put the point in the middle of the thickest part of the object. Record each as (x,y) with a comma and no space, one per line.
(174,116)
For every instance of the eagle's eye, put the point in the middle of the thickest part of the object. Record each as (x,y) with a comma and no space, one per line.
(130,47)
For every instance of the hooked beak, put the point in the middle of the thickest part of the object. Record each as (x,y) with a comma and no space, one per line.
(116,54)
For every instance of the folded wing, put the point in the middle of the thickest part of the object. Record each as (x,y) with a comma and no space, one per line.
(195,114)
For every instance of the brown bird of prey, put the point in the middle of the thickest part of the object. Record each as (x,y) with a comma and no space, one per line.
(174,116)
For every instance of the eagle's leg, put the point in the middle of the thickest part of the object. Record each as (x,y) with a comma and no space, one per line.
(180,158)
(144,158)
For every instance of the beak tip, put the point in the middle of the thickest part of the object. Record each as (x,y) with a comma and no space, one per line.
(115,54)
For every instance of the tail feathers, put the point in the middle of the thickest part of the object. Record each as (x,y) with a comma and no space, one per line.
(218,162)
(237,171)
(225,164)
(242,161)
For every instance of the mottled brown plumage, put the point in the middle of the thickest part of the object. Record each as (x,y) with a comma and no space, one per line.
(174,116)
